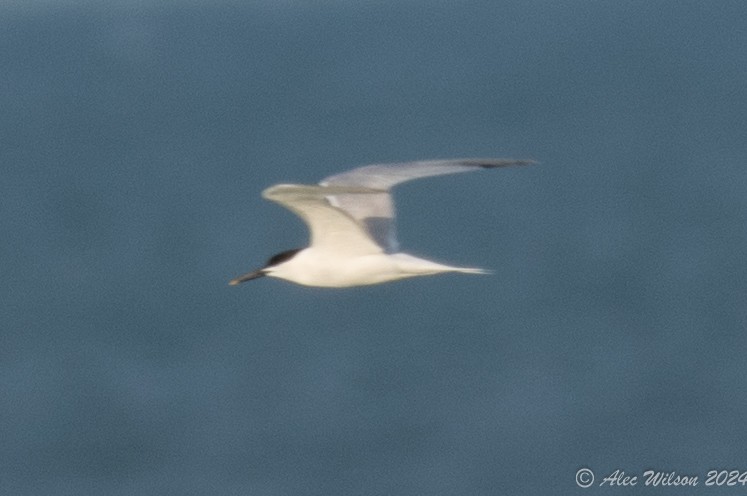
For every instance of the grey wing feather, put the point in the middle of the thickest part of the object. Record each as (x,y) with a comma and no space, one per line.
(376,212)
(384,176)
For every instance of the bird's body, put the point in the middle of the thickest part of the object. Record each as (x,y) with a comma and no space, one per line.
(313,267)
(350,216)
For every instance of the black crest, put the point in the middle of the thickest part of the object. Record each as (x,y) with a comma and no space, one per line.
(282,257)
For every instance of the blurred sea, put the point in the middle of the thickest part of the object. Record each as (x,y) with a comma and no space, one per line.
(138,135)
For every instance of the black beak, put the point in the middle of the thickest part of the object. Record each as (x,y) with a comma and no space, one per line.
(247,277)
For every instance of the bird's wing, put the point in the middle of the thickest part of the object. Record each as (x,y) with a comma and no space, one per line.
(384,176)
(332,228)
(376,212)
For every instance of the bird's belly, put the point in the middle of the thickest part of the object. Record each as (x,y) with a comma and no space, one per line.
(359,271)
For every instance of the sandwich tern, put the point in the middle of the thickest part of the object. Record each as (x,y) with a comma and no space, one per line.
(351,219)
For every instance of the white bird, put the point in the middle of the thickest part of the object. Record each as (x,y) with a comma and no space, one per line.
(351,219)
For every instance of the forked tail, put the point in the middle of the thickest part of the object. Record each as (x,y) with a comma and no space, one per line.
(419,266)
(472,270)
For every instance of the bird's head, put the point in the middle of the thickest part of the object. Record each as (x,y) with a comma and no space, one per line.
(272,264)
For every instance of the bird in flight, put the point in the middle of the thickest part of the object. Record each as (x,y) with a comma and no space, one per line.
(351,219)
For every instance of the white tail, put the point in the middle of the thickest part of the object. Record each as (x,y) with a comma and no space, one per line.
(472,270)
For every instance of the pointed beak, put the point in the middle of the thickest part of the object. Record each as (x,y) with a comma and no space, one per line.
(247,277)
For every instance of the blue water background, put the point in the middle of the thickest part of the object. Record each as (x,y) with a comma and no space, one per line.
(136,137)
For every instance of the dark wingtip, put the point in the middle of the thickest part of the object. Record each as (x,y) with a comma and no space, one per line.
(501,162)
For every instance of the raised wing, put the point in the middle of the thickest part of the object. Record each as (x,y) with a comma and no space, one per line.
(332,229)
(384,176)
(376,211)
